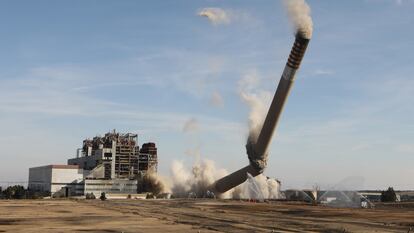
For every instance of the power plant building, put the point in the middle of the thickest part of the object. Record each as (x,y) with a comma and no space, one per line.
(67,179)
(113,163)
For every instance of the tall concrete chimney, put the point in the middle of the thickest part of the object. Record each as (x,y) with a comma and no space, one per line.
(257,151)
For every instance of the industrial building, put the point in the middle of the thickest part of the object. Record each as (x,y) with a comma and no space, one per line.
(67,179)
(113,163)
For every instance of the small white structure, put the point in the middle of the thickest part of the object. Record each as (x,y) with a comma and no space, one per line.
(64,179)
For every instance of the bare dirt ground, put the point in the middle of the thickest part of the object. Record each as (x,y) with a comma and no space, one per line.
(197,216)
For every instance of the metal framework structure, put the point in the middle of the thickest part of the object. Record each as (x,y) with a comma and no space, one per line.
(118,155)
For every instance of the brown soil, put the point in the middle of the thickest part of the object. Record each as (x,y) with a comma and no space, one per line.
(197,216)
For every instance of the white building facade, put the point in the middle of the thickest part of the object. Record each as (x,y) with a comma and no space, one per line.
(66,180)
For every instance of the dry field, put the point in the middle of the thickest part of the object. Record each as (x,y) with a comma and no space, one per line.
(196,216)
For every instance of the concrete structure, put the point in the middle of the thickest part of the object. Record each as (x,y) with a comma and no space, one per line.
(64,179)
(117,156)
(257,147)
(113,163)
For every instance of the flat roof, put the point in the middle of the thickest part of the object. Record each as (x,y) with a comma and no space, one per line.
(59,166)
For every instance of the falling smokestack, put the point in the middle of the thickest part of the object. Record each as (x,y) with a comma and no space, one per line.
(257,150)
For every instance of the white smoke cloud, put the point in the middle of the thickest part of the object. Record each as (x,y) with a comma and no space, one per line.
(191,125)
(256,100)
(195,181)
(216,100)
(215,15)
(299,14)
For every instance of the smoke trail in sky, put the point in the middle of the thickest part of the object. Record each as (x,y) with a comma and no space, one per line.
(299,14)
(257,102)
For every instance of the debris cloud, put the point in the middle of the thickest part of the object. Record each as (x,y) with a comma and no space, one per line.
(257,188)
(155,183)
(196,182)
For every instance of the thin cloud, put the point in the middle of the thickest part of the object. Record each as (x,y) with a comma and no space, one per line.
(320,72)
(396,2)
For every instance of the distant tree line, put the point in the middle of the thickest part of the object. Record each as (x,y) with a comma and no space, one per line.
(20,192)
(388,195)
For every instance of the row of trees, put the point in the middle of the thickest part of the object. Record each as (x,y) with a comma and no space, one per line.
(389,195)
(19,192)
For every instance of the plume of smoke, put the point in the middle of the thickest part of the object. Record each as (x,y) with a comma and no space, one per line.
(180,179)
(257,102)
(155,183)
(197,181)
(299,14)
(215,15)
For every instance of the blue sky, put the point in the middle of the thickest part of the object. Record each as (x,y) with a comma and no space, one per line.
(75,69)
